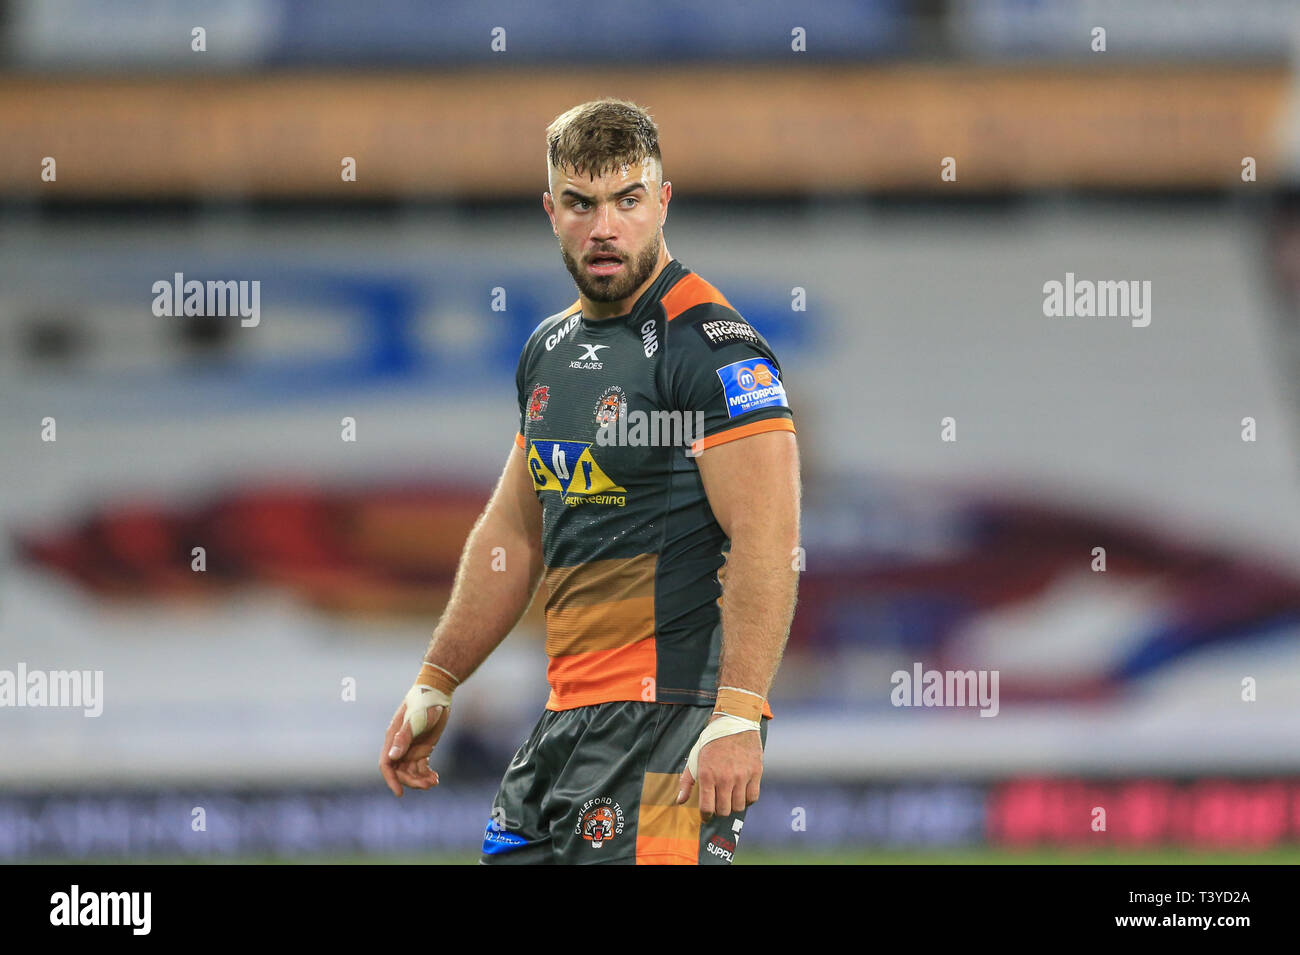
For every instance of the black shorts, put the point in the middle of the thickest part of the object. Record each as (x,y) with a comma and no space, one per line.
(599,784)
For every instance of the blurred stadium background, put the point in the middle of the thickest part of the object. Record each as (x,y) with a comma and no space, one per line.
(1171,157)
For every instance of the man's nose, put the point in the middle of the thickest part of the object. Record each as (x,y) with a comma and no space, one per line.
(602,225)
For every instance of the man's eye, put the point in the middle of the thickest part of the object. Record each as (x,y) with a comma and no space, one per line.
(631,199)
(579,202)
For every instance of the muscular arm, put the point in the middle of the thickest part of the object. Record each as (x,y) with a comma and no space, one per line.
(491,592)
(754,490)
(492,588)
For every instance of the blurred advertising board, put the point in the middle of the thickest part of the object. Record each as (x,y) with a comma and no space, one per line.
(756,131)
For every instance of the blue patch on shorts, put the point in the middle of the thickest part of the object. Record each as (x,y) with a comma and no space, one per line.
(497,841)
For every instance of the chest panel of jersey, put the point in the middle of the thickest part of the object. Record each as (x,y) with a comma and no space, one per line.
(632,550)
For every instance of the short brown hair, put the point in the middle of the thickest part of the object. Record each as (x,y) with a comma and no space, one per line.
(602,135)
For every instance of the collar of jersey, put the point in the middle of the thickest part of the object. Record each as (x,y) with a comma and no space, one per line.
(673,271)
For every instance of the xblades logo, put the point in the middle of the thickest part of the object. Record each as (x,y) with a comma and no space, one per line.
(588,359)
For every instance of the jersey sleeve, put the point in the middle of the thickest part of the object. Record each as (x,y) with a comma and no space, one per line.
(520,379)
(724,376)
(521,390)
(525,396)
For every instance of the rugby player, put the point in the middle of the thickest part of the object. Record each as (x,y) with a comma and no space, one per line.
(654,485)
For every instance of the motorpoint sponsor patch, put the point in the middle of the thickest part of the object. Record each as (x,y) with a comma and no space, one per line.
(750,384)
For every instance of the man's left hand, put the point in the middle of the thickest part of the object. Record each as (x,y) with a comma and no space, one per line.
(730,771)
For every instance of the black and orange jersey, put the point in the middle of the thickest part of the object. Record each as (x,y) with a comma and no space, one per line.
(612,414)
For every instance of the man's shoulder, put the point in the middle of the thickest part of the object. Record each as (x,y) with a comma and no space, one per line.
(692,297)
(703,321)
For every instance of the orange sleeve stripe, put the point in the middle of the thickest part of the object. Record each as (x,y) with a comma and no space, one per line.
(519,440)
(744,430)
(689,292)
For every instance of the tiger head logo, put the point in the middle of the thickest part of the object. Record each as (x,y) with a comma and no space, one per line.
(599,821)
(608,411)
(598,826)
(611,405)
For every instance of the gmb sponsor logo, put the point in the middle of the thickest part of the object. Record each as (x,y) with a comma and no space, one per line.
(599,821)
(557,336)
(649,338)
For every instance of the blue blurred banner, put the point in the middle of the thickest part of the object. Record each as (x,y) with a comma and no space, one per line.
(388,33)
(1134,30)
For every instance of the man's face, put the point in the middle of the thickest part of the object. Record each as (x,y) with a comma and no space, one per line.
(609,229)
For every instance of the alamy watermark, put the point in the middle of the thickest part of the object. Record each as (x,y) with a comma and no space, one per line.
(618,427)
(1084,298)
(654,429)
(56,688)
(213,299)
(922,687)
(128,909)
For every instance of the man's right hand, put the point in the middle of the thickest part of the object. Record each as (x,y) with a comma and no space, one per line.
(405,759)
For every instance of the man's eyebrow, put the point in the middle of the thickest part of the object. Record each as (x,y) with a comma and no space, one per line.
(570,191)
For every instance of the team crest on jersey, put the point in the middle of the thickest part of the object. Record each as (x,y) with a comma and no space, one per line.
(537,403)
(570,469)
(599,821)
(612,404)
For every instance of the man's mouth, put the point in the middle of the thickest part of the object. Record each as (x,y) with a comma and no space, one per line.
(604,264)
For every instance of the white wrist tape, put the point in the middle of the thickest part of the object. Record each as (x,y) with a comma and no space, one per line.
(418,699)
(724,725)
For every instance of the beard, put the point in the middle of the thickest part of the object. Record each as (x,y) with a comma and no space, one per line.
(613,288)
